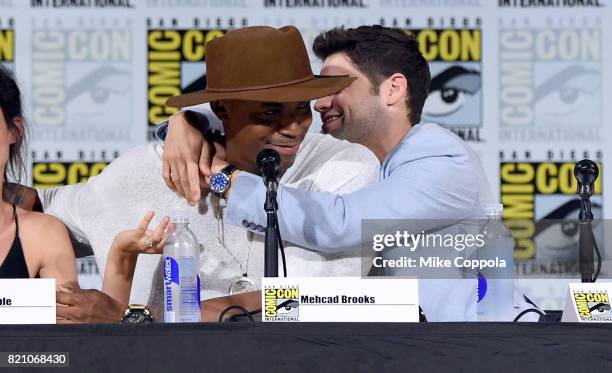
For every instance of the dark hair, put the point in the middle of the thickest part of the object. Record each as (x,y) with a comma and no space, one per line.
(10,103)
(379,52)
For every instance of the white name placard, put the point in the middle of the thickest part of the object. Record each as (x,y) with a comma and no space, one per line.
(339,299)
(588,302)
(27,301)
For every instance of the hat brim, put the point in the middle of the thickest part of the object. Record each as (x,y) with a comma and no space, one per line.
(319,86)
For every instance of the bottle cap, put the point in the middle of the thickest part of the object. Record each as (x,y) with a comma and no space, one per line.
(180,217)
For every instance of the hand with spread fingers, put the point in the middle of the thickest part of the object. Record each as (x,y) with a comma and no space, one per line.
(122,257)
(142,240)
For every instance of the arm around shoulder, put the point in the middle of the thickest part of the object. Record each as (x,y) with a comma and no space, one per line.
(350,168)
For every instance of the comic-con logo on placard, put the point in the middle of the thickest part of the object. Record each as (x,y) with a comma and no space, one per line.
(550,82)
(593,305)
(176,65)
(7,43)
(281,303)
(541,209)
(455,97)
(81,82)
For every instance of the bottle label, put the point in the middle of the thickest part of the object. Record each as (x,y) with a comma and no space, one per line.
(171,286)
(189,289)
(187,295)
(199,289)
(169,317)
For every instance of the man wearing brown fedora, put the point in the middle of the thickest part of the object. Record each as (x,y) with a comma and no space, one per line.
(426,171)
(262,103)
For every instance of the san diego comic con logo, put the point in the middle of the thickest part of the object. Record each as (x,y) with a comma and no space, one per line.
(550,81)
(541,210)
(455,62)
(7,43)
(51,169)
(593,305)
(81,80)
(176,65)
(281,304)
(51,174)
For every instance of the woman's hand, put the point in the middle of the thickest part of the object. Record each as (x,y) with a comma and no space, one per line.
(143,240)
(121,260)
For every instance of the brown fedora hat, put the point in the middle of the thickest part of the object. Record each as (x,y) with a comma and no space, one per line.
(260,64)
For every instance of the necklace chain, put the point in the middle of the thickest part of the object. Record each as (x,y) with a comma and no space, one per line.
(221,239)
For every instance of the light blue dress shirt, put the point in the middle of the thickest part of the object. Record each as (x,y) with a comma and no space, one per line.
(431,174)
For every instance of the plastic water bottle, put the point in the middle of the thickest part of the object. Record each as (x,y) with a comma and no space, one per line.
(496,284)
(181,269)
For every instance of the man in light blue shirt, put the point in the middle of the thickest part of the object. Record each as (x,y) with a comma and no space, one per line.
(426,171)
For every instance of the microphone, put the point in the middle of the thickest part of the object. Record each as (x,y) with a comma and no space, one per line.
(268,162)
(586,172)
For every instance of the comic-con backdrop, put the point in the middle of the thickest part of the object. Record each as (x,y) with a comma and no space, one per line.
(524,82)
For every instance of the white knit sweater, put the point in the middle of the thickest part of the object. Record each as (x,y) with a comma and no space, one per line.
(119,197)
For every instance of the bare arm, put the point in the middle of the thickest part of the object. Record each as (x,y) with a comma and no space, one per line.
(124,252)
(211,308)
(93,306)
(48,244)
(119,274)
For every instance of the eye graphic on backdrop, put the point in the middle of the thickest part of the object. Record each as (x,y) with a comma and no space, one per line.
(569,96)
(450,93)
(556,234)
(445,101)
(98,93)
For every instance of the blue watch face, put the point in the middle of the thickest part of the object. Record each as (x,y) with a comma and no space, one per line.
(219,182)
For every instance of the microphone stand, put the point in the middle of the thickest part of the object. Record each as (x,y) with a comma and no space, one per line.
(585,240)
(271,237)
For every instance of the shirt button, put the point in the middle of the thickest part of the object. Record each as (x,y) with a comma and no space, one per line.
(245,223)
(260,228)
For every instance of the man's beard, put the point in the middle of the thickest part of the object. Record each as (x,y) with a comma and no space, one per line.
(365,125)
